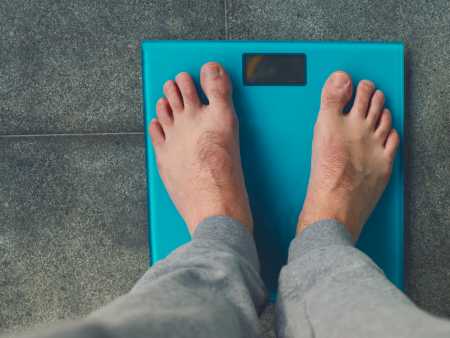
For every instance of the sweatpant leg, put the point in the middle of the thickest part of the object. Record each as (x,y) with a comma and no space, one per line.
(210,287)
(331,289)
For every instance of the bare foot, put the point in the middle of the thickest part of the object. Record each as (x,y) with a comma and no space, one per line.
(197,148)
(352,155)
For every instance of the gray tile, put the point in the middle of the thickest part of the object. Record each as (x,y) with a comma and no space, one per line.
(425,18)
(425,29)
(72,225)
(74,66)
(428,187)
(310,19)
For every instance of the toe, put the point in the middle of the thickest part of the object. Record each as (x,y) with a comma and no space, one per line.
(336,92)
(384,126)
(164,113)
(156,133)
(215,83)
(392,143)
(188,90)
(363,95)
(172,92)
(376,107)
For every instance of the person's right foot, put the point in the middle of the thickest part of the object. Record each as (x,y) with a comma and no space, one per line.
(197,148)
(352,155)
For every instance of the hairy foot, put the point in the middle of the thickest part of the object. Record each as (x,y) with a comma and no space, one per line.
(352,155)
(197,148)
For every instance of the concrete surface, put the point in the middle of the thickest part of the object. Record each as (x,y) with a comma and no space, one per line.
(73,207)
(74,66)
(73,225)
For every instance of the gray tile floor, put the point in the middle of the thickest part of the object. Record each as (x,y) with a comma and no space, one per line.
(72,184)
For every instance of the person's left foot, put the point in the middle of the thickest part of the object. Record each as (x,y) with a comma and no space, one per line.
(352,155)
(197,149)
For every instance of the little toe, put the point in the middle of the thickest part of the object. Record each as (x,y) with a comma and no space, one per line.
(164,113)
(173,95)
(363,96)
(336,92)
(188,90)
(156,133)
(392,143)
(384,126)
(215,83)
(375,109)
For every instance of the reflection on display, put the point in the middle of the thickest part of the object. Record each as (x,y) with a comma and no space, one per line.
(275,69)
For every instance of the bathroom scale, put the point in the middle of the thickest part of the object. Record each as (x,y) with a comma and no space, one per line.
(276,91)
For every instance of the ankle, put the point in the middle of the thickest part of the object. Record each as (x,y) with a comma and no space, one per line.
(237,213)
(314,212)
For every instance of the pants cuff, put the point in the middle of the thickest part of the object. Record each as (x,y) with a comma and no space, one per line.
(317,235)
(228,232)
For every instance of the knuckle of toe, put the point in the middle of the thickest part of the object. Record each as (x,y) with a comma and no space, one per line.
(189,91)
(221,91)
(333,99)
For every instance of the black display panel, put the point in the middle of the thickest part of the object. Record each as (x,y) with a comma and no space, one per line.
(274,69)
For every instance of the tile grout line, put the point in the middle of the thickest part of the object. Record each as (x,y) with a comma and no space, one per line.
(225,10)
(71,134)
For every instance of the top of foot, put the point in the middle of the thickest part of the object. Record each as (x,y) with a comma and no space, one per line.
(197,148)
(352,155)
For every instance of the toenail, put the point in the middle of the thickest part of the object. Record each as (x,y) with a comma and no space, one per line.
(339,80)
(367,84)
(168,84)
(212,71)
(179,75)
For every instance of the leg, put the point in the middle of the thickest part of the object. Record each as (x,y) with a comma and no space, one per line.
(210,287)
(329,288)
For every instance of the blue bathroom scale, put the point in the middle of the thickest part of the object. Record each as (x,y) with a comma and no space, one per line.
(277,88)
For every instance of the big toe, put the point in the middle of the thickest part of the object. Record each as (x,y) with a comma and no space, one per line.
(215,83)
(336,92)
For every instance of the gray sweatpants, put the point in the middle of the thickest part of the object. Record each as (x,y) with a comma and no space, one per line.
(211,287)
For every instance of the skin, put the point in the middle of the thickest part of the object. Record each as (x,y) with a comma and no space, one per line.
(197,151)
(197,148)
(352,156)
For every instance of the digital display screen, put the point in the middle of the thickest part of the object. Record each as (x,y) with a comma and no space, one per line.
(274,69)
